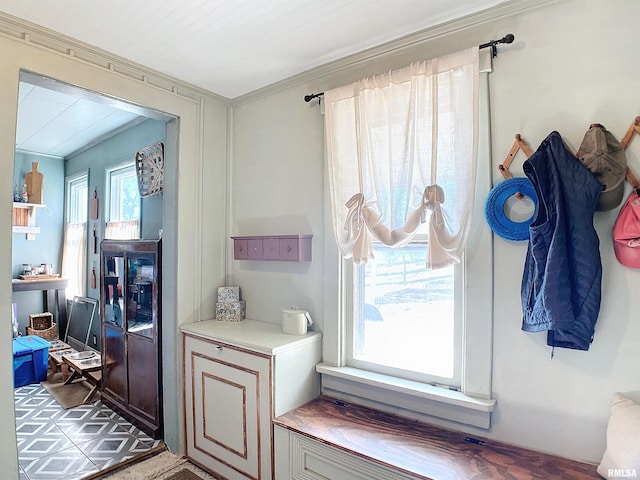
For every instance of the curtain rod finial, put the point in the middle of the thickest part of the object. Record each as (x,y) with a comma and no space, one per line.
(311,96)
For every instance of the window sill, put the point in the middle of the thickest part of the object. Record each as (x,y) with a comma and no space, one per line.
(404,397)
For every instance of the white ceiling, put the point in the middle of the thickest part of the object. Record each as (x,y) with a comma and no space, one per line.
(234,47)
(228,47)
(56,123)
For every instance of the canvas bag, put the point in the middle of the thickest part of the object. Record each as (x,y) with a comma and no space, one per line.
(626,232)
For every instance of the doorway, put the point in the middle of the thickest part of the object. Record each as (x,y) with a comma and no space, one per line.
(67,130)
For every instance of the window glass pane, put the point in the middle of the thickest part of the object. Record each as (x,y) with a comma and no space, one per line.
(113,280)
(124,198)
(78,191)
(404,315)
(140,301)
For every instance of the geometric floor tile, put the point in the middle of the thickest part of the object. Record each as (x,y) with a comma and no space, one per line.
(63,464)
(42,442)
(56,444)
(113,449)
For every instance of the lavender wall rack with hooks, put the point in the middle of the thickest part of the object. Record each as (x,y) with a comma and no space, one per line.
(282,248)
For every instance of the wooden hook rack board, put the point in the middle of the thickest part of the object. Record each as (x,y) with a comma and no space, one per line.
(632,130)
(518,144)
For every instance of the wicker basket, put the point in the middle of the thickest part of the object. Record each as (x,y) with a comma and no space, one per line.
(50,333)
(41,321)
(150,169)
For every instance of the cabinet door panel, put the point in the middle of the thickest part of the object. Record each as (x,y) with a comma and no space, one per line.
(143,388)
(114,364)
(311,460)
(228,410)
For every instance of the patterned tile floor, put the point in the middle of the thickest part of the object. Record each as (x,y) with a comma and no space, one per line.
(56,444)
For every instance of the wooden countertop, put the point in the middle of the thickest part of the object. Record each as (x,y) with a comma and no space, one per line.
(39,284)
(424,450)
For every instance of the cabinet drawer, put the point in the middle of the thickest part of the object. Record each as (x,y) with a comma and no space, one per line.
(271,248)
(289,249)
(254,247)
(240,249)
(312,460)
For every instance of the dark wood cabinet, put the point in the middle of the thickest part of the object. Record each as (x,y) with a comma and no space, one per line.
(130,313)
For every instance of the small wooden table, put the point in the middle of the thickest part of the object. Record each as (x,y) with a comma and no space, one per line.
(53,295)
(56,351)
(88,369)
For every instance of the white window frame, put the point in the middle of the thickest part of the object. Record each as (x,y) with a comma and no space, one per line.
(116,173)
(71,183)
(471,405)
(350,269)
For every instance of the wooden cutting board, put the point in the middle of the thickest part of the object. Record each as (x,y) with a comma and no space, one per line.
(35,184)
(39,277)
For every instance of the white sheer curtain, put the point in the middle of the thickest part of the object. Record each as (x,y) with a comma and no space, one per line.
(402,150)
(74,258)
(127,230)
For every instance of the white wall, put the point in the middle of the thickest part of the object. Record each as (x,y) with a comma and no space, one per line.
(277,188)
(573,63)
(194,209)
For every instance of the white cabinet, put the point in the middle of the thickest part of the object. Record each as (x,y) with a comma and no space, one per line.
(238,376)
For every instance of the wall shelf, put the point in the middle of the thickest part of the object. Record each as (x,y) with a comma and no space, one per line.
(278,248)
(24,219)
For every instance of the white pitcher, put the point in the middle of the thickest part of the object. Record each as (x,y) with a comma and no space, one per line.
(294,321)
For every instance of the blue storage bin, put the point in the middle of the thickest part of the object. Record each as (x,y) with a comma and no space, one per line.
(30,359)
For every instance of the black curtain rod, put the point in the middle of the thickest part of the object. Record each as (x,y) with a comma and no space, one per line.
(508,38)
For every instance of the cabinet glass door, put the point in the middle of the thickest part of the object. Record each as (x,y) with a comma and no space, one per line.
(140,301)
(113,294)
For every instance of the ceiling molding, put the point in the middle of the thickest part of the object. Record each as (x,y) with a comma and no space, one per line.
(82,93)
(35,35)
(45,155)
(503,10)
(41,37)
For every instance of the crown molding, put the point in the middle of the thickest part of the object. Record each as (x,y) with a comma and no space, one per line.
(38,154)
(503,10)
(41,37)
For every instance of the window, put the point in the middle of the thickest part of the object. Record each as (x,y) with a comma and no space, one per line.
(77,198)
(124,198)
(123,202)
(407,339)
(74,250)
(404,320)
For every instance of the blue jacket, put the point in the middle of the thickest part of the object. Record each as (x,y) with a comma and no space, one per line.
(562,277)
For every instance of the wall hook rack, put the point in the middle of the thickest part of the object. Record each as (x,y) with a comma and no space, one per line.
(631,131)
(518,144)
